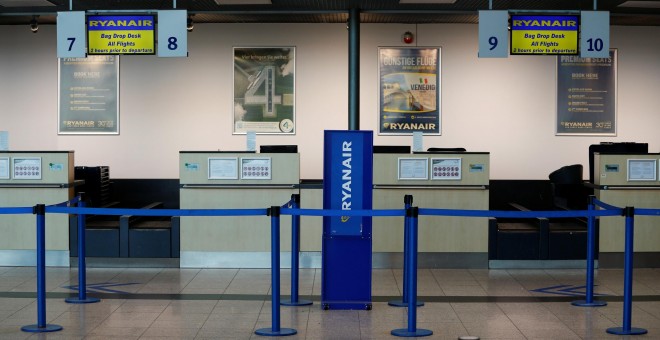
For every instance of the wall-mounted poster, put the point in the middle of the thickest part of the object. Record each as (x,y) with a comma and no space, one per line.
(88,101)
(409,86)
(586,95)
(264,90)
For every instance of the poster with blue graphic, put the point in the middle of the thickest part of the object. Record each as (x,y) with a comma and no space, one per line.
(409,86)
(586,95)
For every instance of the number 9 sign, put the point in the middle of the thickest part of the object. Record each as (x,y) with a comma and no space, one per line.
(493,34)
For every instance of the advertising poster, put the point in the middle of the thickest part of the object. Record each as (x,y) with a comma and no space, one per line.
(586,95)
(264,90)
(88,95)
(409,83)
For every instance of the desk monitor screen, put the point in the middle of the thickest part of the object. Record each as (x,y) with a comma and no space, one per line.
(278,149)
(392,149)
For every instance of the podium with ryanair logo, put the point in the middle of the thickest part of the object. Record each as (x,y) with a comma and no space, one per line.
(347,185)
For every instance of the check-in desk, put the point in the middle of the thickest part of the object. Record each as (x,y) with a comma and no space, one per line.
(28,178)
(435,180)
(234,180)
(628,180)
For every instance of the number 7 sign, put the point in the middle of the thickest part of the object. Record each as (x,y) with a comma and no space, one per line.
(71,35)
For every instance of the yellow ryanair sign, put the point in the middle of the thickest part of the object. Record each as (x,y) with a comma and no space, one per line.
(120,34)
(543,34)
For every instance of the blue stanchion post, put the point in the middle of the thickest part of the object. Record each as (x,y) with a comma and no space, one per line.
(407,202)
(295,257)
(41,326)
(275,329)
(591,254)
(82,267)
(411,261)
(626,329)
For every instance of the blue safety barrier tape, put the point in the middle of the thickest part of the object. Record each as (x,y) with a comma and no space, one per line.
(519,214)
(73,201)
(647,212)
(321,212)
(16,211)
(156,212)
(605,205)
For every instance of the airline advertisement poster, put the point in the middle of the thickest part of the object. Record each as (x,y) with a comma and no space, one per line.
(264,90)
(409,85)
(88,101)
(586,95)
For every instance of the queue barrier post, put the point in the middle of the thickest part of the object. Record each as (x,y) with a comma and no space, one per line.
(407,201)
(627,329)
(275,329)
(591,253)
(41,326)
(82,267)
(411,261)
(295,257)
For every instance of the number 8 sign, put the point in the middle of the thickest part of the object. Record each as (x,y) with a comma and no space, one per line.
(172,33)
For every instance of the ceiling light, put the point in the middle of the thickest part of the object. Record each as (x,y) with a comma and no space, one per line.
(34,25)
(447,2)
(641,4)
(243,2)
(26,3)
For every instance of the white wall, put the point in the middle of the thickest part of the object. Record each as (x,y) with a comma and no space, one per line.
(505,106)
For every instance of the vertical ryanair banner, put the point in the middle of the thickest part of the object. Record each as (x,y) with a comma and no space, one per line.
(586,95)
(88,100)
(347,185)
(264,90)
(409,85)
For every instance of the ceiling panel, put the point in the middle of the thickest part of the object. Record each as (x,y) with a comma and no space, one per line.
(332,11)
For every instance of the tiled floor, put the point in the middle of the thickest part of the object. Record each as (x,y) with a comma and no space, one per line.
(231,304)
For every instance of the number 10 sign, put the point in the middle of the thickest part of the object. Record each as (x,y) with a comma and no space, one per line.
(493,34)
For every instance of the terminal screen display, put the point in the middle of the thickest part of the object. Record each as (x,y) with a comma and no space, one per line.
(120,34)
(544,34)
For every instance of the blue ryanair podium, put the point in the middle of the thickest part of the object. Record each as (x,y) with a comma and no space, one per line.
(346,253)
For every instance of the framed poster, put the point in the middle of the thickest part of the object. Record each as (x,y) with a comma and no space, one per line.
(256,168)
(446,169)
(88,100)
(264,90)
(413,169)
(4,167)
(26,167)
(409,90)
(642,170)
(586,95)
(223,168)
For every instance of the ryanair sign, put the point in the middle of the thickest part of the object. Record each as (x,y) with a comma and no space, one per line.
(121,34)
(347,179)
(544,34)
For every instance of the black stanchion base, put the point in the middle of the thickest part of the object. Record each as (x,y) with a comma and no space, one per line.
(404,332)
(271,332)
(36,329)
(584,303)
(299,302)
(631,331)
(76,300)
(400,303)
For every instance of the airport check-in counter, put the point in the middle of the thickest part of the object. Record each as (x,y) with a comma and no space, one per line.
(628,180)
(28,178)
(234,180)
(435,180)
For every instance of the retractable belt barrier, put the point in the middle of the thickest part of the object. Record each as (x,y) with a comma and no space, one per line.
(292,208)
